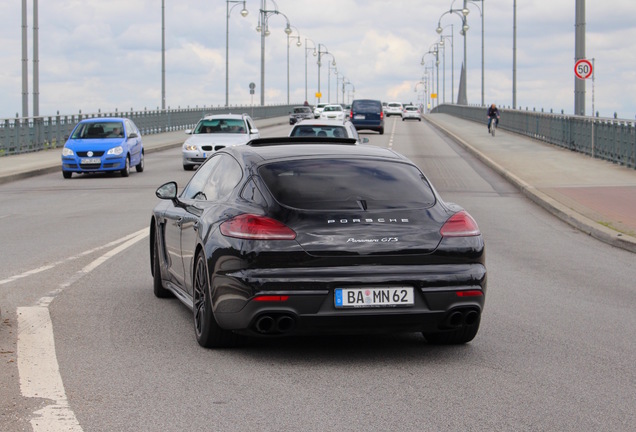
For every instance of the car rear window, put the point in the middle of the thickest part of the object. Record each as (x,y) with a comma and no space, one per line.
(347,184)
(366,106)
(319,131)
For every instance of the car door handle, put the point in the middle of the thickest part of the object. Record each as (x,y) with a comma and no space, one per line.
(178,222)
(195,226)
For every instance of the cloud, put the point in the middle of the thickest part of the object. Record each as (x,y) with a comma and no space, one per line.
(101,55)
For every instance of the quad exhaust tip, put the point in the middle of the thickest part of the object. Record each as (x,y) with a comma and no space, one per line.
(461,317)
(275,324)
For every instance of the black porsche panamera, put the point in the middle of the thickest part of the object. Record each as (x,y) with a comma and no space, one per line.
(287,236)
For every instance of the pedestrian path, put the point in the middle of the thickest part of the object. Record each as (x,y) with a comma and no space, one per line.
(595,196)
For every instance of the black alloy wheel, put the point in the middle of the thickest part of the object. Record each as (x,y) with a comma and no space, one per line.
(207,331)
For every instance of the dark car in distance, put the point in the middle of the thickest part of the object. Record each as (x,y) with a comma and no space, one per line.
(367,114)
(287,236)
(300,113)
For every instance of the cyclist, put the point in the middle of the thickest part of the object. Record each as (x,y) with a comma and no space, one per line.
(493,113)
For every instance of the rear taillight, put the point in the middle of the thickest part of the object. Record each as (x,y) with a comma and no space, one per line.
(469,293)
(381,115)
(254,227)
(350,114)
(271,298)
(461,224)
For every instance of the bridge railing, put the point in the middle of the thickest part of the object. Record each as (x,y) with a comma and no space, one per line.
(609,139)
(23,135)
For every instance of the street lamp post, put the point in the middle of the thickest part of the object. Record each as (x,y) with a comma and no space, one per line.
(244,13)
(462,13)
(263,28)
(329,68)
(163,55)
(320,52)
(422,99)
(315,54)
(442,43)
(298,43)
(481,13)
(435,52)
(423,63)
(353,89)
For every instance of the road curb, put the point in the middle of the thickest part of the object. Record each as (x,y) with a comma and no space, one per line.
(566,214)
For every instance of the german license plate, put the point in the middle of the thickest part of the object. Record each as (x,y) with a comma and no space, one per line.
(359,116)
(91,161)
(373,297)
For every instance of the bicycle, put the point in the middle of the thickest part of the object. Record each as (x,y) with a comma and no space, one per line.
(492,124)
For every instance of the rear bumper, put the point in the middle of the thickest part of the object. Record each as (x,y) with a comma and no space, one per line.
(374,126)
(310,304)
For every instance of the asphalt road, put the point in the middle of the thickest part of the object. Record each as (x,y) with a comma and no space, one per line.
(555,350)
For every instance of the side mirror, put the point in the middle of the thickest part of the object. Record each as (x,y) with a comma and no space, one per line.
(133,135)
(167,191)
(254,131)
(188,131)
(364,140)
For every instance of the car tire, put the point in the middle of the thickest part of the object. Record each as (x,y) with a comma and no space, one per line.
(458,336)
(188,167)
(125,172)
(381,131)
(157,285)
(140,166)
(208,332)
(67,174)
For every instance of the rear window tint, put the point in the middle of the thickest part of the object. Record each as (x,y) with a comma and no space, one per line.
(367,106)
(347,184)
(319,131)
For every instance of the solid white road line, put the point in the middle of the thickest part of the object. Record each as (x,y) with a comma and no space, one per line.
(37,362)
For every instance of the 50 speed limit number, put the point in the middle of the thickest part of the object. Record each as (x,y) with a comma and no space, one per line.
(583,69)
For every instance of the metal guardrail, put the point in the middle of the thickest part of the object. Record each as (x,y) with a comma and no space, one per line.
(613,140)
(23,135)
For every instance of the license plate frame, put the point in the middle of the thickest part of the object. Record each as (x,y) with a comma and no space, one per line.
(90,161)
(374,297)
(359,117)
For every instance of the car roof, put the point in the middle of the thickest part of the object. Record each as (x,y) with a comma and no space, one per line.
(225,116)
(265,149)
(319,122)
(104,119)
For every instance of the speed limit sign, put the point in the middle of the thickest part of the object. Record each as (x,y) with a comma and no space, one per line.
(583,69)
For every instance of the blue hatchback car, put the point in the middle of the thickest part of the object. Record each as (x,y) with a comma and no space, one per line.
(101,145)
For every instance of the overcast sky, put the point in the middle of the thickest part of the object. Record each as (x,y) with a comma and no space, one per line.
(106,55)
